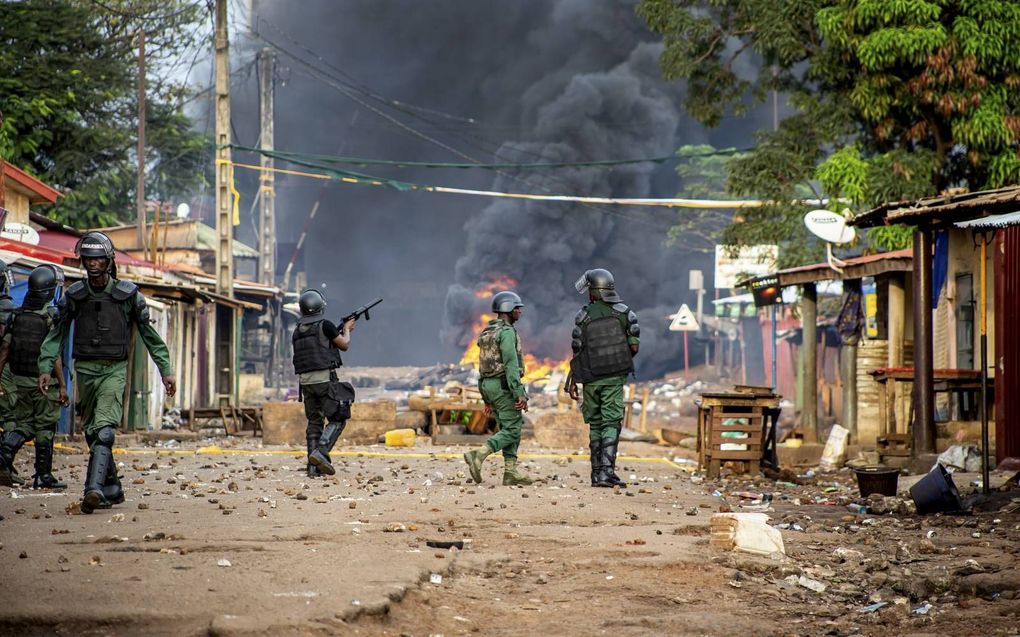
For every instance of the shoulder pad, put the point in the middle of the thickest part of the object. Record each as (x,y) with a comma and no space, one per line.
(53,312)
(123,290)
(78,291)
(581,315)
(621,308)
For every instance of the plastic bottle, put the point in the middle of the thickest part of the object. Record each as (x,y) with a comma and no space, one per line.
(400,438)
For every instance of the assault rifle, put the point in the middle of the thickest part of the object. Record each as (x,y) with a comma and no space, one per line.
(361,311)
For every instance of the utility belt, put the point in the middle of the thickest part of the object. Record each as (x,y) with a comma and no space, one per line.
(338,400)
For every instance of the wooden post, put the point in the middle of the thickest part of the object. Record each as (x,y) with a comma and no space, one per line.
(140,186)
(924,395)
(809,346)
(644,409)
(897,308)
(848,371)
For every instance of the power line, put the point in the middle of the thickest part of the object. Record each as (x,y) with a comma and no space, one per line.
(142,16)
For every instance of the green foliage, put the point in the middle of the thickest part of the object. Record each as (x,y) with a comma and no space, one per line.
(892,99)
(702,173)
(68,99)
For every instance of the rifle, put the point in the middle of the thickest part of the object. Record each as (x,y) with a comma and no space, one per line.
(361,311)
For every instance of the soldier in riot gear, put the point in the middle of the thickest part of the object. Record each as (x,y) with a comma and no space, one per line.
(35,414)
(8,393)
(103,310)
(317,345)
(500,368)
(605,340)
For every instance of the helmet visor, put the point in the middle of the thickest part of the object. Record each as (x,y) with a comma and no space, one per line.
(582,284)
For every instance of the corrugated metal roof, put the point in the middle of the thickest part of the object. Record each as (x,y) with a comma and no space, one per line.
(942,208)
(995,221)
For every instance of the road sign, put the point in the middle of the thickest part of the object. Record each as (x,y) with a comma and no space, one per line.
(683,320)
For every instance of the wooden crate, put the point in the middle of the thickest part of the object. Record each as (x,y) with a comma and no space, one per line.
(753,415)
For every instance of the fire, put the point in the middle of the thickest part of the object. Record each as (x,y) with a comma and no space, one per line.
(497,284)
(471,354)
(535,368)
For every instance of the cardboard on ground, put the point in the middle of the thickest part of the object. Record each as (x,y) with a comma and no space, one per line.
(683,320)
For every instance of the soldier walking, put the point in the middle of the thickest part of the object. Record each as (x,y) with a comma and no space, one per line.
(605,341)
(102,309)
(500,367)
(8,393)
(35,414)
(317,345)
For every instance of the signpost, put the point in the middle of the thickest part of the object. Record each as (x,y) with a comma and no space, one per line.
(684,321)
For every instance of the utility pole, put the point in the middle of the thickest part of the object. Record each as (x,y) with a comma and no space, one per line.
(224,221)
(267,194)
(140,188)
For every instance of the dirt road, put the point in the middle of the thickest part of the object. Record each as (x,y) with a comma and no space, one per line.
(238,541)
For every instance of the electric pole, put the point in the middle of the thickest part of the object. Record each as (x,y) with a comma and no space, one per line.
(140,188)
(224,220)
(267,194)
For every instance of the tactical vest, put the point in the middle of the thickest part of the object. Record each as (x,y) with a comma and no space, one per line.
(101,328)
(604,351)
(490,360)
(28,331)
(312,350)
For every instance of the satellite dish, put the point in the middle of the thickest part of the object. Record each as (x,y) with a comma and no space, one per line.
(829,226)
(183,210)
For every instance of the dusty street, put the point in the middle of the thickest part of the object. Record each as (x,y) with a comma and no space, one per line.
(237,540)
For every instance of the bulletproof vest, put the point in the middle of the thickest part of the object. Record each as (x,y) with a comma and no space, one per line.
(28,331)
(490,361)
(604,350)
(101,328)
(312,350)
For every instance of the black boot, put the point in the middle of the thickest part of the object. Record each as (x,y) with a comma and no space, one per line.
(595,448)
(609,462)
(112,489)
(99,464)
(43,478)
(320,457)
(313,442)
(9,447)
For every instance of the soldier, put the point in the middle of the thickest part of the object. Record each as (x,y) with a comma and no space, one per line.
(7,390)
(35,414)
(317,346)
(102,309)
(605,342)
(500,367)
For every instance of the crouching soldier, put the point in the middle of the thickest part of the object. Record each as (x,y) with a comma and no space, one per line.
(102,309)
(501,367)
(317,345)
(35,414)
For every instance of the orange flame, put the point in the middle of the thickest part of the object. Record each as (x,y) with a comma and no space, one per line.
(535,368)
(498,284)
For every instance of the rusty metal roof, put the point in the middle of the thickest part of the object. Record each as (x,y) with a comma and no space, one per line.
(948,208)
(855,268)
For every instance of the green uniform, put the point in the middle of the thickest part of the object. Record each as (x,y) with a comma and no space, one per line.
(7,399)
(501,392)
(35,414)
(101,382)
(602,402)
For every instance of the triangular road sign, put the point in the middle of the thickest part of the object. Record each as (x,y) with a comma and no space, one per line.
(683,320)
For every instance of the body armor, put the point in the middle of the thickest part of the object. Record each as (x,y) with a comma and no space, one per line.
(29,330)
(600,345)
(312,350)
(490,361)
(101,327)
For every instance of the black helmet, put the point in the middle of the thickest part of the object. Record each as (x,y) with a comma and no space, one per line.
(311,302)
(601,280)
(506,302)
(94,245)
(6,278)
(43,282)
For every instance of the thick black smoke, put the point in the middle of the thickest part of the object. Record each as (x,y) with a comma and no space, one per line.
(544,80)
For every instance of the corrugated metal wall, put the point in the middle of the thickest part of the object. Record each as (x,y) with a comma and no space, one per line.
(1007,342)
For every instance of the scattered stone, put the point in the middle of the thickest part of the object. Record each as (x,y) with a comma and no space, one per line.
(223,563)
(142,506)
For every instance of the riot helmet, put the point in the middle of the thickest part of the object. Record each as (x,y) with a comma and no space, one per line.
(96,245)
(506,302)
(312,302)
(6,278)
(42,285)
(601,281)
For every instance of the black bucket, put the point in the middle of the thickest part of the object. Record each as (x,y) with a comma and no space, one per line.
(936,493)
(880,480)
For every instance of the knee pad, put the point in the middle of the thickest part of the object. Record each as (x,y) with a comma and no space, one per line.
(106,436)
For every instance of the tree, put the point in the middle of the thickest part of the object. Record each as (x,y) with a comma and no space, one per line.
(702,174)
(68,101)
(892,99)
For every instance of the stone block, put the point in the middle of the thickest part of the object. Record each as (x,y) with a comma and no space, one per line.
(283,423)
(365,432)
(561,430)
(374,410)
